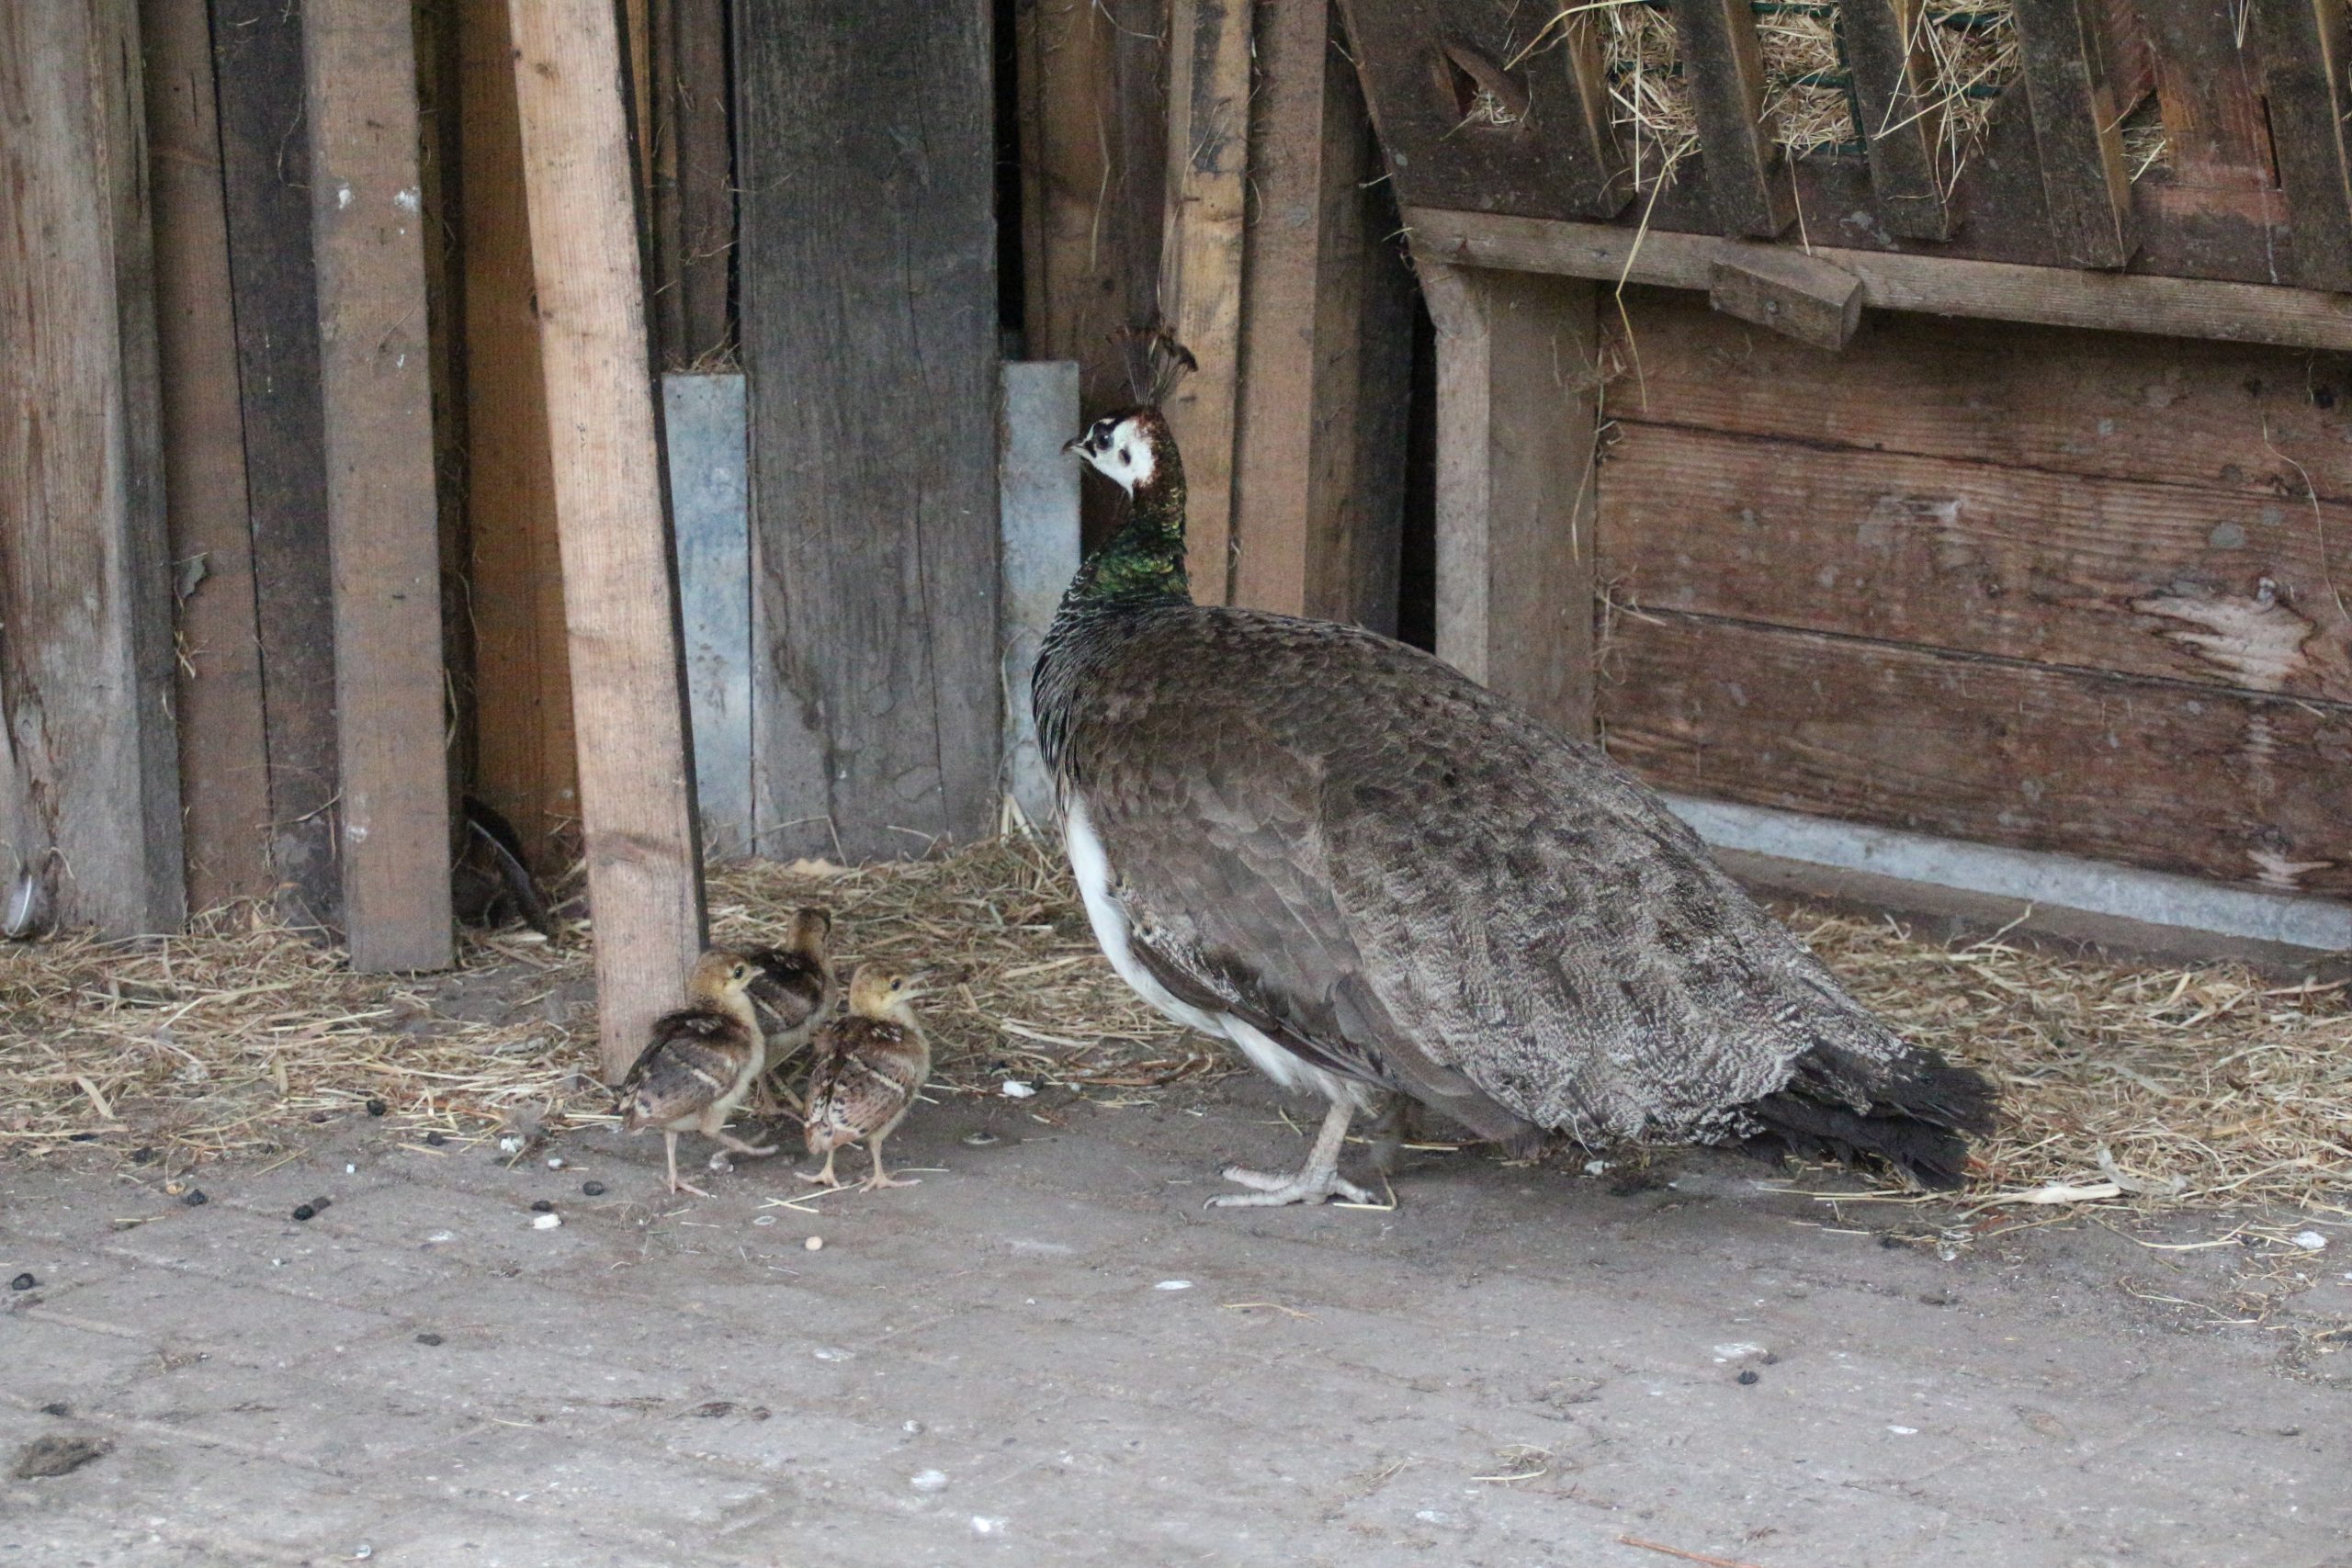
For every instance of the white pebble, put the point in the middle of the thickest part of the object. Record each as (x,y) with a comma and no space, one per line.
(1905,1431)
(1737,1350)
(1013,1089)
(364,1551)
(1596,1166)
(1173,1285)
(555,1162)
(437,1237)
(815,1244)
(349,1169)
(929,1480)
(983,1525)
(545,1222)
(2310,1241)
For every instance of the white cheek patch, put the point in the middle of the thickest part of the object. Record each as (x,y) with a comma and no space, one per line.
(1137,472)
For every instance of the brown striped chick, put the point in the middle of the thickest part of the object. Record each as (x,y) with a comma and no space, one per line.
(699,1064)
(871,1062)
(791,988)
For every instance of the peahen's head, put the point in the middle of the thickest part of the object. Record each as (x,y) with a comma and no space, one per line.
(1135,448)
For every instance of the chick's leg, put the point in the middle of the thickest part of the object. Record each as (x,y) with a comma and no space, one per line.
(824,1178)
(728,1140)
(1319,1179)
(880,1177)
(670,1147)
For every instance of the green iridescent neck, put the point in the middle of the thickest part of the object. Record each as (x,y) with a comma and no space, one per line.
(1144,559)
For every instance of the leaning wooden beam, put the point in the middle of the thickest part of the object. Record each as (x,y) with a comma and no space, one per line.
(1200,275)
(2307,46)
(2175,306)
(89,799)
(1748,181)
(620,590)
(360,59)
(1902,121)
(1517,404)
(2076,130)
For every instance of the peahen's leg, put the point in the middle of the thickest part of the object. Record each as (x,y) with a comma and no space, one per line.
(1320,1179)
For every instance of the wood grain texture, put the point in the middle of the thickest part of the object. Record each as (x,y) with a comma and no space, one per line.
(2105,574)
(1200,266)
(2241,789)
(265,167)
(1901,118)
(2066,46)
(875,713)
(1789,292)
(2307,47)
(620,586)
(525,759)
(2179,307)
(692,154)
(383,520)
(1318,493)
(1518,391)
(224,742)
(2209,94)
(2245,419)
(1747,180)
(90,802)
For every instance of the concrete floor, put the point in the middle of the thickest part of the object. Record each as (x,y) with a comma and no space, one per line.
(1515,1368)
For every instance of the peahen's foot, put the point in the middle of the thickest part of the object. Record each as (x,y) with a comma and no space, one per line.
(1275,1188)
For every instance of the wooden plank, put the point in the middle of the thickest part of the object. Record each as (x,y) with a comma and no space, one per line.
(1040,554)
(2268,424)
(1794,294)
(2307,50)
(874,427)
(1748,181)
(2160,581)
(1902,120)
(224,746)
(619,581)
(90,802)
(1200,266)
(2241,789)
(703,426)
(383,520)
(2180,307)
(265,167)
(1518,390)
(526,762)
(2217,134)
(1491,106)
(2077,129)
(694,195)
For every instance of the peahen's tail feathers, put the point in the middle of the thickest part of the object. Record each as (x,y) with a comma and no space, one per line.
(1916,1111)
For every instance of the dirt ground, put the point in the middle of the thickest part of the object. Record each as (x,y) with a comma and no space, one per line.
(1049,1353)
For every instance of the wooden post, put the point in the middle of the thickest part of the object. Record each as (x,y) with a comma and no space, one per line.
(1748,181)
(89,800)
(382,511)
(2077,130)
(619,582)
(2307,46)
(224,746)
(265,174)
(873,355)
(1200,263)
(1902,120)
(1517,404)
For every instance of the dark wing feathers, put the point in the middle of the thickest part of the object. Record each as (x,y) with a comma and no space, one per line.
(1402,879)
(693,1058)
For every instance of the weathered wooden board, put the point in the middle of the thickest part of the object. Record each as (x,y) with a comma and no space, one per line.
(694,173)
(1747,178)
(871,349)
(2104,574)
(2076,120)
(1517,394)
(1942,284)
(383,520)
(224,748)
(612,504)
(2263,422)
(2154,773)
(2307,47)
(2216,134)
(1799,296)
(265,168)
(1040,544)
(89,802)
(1901,119)
(702,425)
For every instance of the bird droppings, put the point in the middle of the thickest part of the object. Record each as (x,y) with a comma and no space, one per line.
(555,1162)
(543,1206)
(1905,1431)
(436,1140)
(979,1140)
(983,1525)
(814,1244)
(349,1169)
(1173,1285)
(363,1552)
(195,1197)
(440,1238)
(929,1480)
(428,1339)
(1596,1168)
(23,1282)
(592,1189)
(1013,1089)
(512,1143)
(1738,1350)
(1750,1377)
(376,1107)
(2310,1241)
(545,1222)
(46,1457)
(304,1212)
(57,1407)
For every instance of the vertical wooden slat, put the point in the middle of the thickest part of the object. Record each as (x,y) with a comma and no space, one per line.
(694,199)
(2216,133)
(620,586)
(265,166)
(2307,49)
(702,425)
(1201,260)
(90,801)
(2077,130)
(525,761)
(224,748)
(383,521)
(1749,185)
(873,352)
(1518,405)
(1902,120)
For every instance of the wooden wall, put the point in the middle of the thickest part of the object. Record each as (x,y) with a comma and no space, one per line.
(2055,590)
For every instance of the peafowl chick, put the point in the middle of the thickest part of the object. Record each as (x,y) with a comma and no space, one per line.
(699,1064)
(791,988)
(870,1063)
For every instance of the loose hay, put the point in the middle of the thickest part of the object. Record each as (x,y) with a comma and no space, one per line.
(2201,1087)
